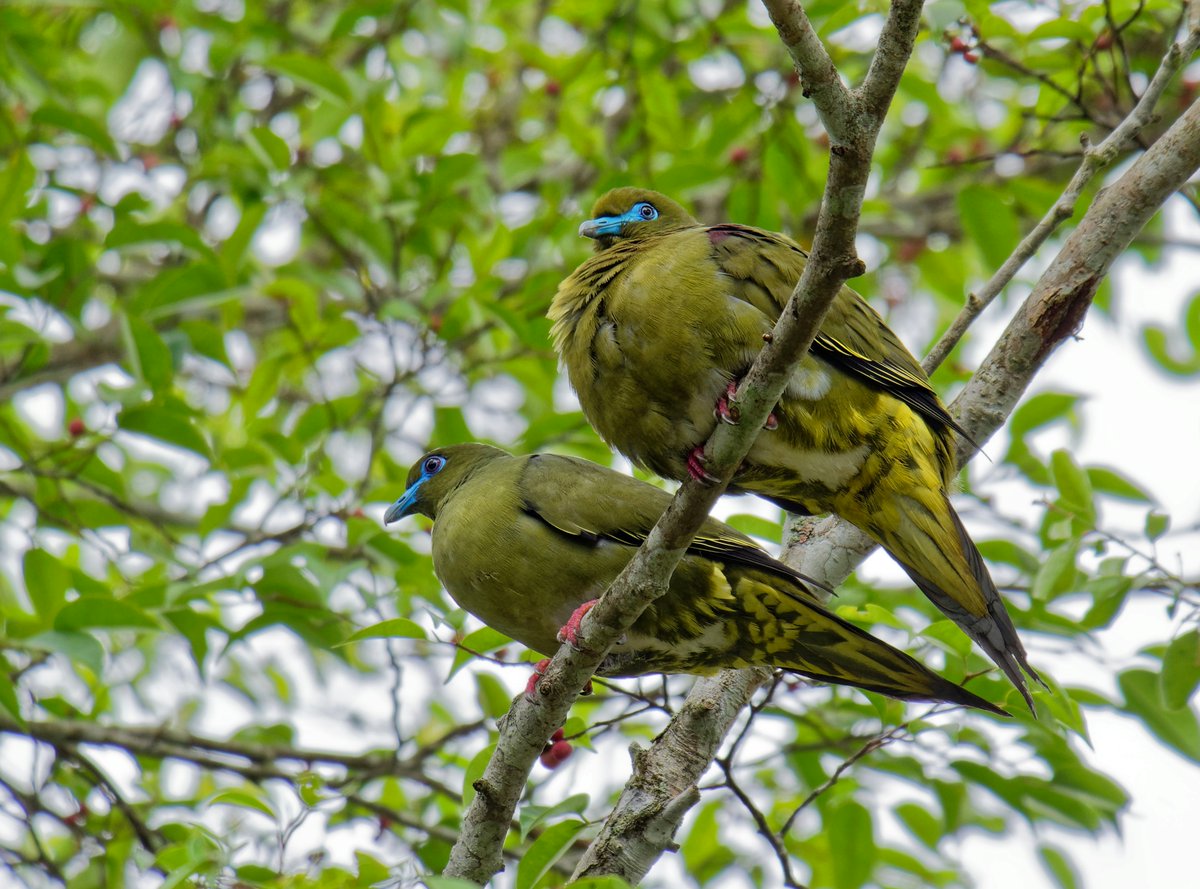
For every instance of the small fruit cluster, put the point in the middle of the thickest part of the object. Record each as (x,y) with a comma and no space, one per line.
(964,49)
(557,750)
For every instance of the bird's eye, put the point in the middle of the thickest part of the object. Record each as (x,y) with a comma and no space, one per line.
(433,464)
(646,211)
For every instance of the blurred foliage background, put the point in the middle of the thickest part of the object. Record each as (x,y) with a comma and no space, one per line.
(256,257)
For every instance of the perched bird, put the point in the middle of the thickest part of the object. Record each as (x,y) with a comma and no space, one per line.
(527,543)
(656,329)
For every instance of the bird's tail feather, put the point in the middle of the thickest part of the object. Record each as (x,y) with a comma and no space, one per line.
(945,564)
(802,636)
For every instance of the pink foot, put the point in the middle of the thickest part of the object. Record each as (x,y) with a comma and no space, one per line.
(727,411)
(570,631)
(695,465)
(539,670)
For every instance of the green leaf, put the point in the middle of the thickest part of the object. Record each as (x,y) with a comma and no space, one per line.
(1057,575)
(851,844)
(272,150)
(1060,867)
(1157,525)
(93,612)
(1073,485)
(129,232)
(148,354)
(481,641)
(81,648)
(8,697)
(1178,729)
(396,628)
(92,131)
(246,797)
(1115,484)
(990,223)
(46,582)
(531,816)
(494,698)
(314,73)
(474,771)
(546,850)
(1165,346)
(167,424)
(924,826)
(1181,670)
(1039,410)
(704,854)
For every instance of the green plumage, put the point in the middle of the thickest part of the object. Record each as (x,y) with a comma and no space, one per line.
(521,542)
(655,326)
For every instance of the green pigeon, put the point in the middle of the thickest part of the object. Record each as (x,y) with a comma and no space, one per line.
(527,544)
(656,329)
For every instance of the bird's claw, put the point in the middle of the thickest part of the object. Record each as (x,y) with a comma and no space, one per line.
(539,670)
(695,466)
(531,687)
(570,630)
(727,411)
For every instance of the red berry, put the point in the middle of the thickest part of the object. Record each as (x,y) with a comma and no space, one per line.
(76,427)
(557,736)
(971,57)
(553,87)
(150,160)
(1105,40)
(739,155)
(358,514)
(955,155)
(560,751)
(958,45)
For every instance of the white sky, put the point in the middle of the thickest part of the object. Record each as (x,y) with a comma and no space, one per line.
(1147,423)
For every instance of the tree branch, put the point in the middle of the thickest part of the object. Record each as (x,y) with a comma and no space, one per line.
(253,761)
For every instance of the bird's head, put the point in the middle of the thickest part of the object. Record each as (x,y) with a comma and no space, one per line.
(436,476)
(633,213)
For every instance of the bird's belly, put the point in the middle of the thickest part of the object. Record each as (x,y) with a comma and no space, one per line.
(531,579)
(811,466)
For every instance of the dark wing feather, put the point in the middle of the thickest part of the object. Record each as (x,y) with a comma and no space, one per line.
(853,338)
(592,503)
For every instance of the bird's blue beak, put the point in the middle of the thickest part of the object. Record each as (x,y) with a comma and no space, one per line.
(406,505)
(601,226)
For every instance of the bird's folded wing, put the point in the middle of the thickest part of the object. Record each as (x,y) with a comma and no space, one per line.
(591,503)
(853,337)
